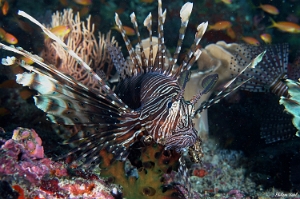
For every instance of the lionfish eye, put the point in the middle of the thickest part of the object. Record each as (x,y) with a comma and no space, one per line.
(170,104)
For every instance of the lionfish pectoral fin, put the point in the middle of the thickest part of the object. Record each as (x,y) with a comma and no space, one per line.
(183,178)
(66,105)
(90,141)
(226,90)
(118,60)
(103,87)
(208,83)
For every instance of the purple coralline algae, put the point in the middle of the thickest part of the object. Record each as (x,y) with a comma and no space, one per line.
(24,165)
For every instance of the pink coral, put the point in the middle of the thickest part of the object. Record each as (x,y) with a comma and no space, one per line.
(23,156)
(235,194)
(30,140)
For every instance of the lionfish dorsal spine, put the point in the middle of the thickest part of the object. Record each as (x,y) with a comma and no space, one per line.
(143,57)
(148,24)
(134,57)
(113,97)
(224,92)
(161,54)
(185,13)
(194,50)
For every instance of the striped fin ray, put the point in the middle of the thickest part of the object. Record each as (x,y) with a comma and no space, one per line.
(134,57)
(122,66)
(143,57)
(148,24)
(68,105)
(294,68)
(161,54)
(188,61)
(226,88)
(183,177)
(64,106)
(268,74)
(103,124)
(90,72)
(208,83)
(276,126)
(186,79)
(185,13)
(92,139)
(70,84)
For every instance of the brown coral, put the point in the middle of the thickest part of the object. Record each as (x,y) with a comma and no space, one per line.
(83,42)
(154,163)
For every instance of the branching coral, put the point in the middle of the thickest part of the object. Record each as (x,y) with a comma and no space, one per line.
(83,42)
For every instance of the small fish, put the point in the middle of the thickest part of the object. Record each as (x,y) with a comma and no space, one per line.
(129,31)
(285,26)
(27,60)
(2,33)
(266,38)
(16,69)
(230,32)
(147,1)
(227,1)
(11,83)
(84,11)
(26,93)
(269,9)
(64,2)
(83,2)
(9,38)
(3,111)
(23,25)
(5,8)
(251,40)
(61,30)
(120,10)
(221,25)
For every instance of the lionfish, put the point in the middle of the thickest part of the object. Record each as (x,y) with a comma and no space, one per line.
(269,75)
(146,105)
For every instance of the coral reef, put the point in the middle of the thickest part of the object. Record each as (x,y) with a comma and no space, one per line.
(31,174)
(25,171)
(82,40)
(146,179)
(223,172)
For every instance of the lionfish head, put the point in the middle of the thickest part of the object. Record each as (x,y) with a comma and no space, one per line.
(184,134)
(174,127)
